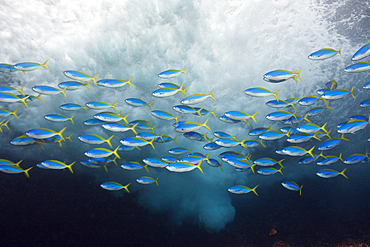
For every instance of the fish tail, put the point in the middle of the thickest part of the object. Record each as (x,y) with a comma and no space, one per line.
(63,92)
(252,167)
(279,162)
(70,166)
(327,134)
(210,95)
(246,122)
(280,170)
(315,136)
(181,89)
(297,74)
(242,142)
(254,190)
(126,187)
(24,100)
(207,157)
(292,104)
(162,137)
(87,85)
(270,126)
(339,50)
(71,118)
(39,97)
(263,145)
(190,150)
(174,140)
(152,128)
(14,113)
(213,112)
(60,133)
(156,181)
(323,127)
(344,175)
(342,137)
(44,65)
(69,137)
(183,70)
(234,137)
(115,152)
(340,157)
(40,145)
(353,94)
(254,116)
(108,141)
(177,118)
(198,166)
(6,124)
(21,89)
(129,81)
(205,125)
(114,106)
(151,143)
(59,142)
(114,161)
(333,82)
(105,167)
(85,108)
(150,105)
(275,94)
(310,152)
(26,172)
(199,112)
(288,133)
(322,155)
(133,128)
(94,79)
(17,164)
(305,118)
(221,166)
(300,190)
(205,136)
(146,168)
(124,118)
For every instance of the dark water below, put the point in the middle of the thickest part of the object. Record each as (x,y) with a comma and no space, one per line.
(57,208)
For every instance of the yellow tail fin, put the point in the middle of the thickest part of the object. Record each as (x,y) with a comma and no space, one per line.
(210,95)
(26,172)
(115,152)
(205,124)
(129,81)
(114,106)
(108,141)
(183,70)
(125,187)
(44,65)
(70,166)
(254,190)
(94,79)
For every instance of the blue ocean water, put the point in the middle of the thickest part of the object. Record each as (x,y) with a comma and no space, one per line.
(225,46)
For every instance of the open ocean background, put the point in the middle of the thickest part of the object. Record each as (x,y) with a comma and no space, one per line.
(226,46)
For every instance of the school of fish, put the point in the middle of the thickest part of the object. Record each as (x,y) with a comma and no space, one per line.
(141,133)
